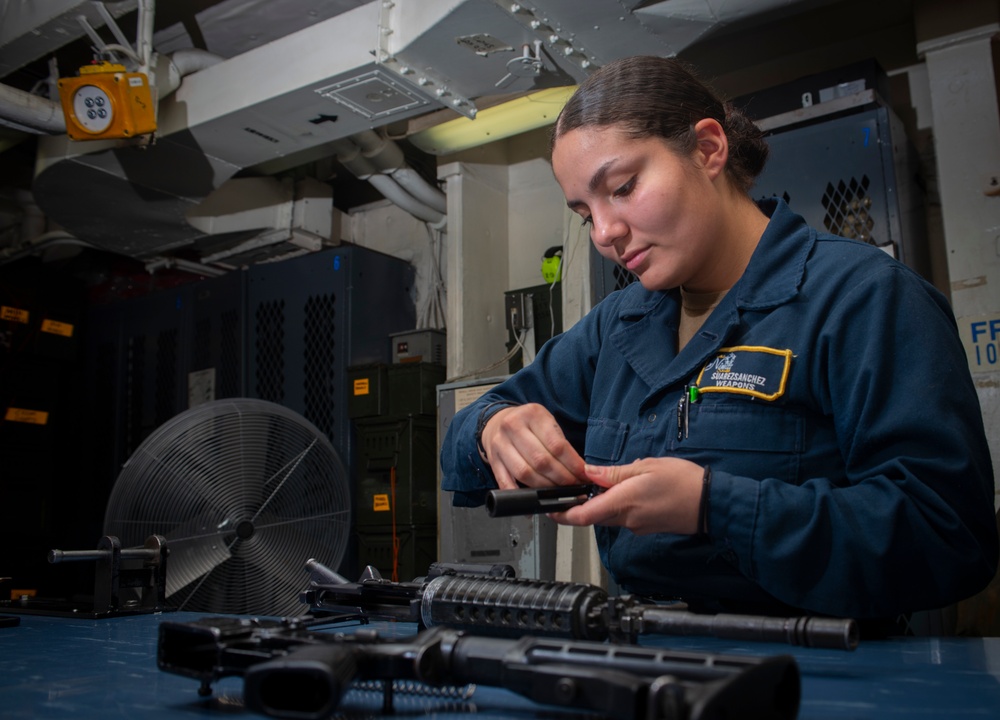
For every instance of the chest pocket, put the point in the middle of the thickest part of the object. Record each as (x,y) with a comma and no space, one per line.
(606,440)
(754,438)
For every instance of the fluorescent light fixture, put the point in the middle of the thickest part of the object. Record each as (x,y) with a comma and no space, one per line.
(496,123)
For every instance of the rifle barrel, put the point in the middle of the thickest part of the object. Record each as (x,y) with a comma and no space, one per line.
(805,631)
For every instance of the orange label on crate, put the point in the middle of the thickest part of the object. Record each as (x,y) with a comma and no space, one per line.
(57,328)
(14,314)
(380,503)
(32,417)
(361,386)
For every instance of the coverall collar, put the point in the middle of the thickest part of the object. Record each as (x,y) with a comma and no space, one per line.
(772,278)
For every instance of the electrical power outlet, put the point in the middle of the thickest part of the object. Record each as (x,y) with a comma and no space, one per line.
(519,311)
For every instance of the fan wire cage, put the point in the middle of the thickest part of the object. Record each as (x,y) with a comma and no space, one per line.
(245,492)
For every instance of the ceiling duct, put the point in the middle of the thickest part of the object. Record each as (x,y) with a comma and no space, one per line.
(293,99)
(276,100)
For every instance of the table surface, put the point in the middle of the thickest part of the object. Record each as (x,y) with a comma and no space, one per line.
(55,667)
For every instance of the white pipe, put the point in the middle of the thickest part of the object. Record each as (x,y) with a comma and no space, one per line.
(123,50)
(144,34)
(109,22)
(350,156)
(388,157)
(179,65)
(34,114)
(192,60)
(385,155)
(414,183)
(91,33)
(398,196)
(164,263)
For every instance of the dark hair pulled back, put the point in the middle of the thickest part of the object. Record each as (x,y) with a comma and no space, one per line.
(649,96)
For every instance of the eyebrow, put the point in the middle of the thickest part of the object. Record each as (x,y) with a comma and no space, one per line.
(595,182)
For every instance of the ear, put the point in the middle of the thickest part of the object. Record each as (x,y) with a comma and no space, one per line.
(712,152)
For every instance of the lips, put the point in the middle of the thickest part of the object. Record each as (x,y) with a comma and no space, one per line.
(634,260)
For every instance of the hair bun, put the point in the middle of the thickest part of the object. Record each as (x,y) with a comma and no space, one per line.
(748,150)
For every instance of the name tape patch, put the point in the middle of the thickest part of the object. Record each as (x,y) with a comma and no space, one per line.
(759,372)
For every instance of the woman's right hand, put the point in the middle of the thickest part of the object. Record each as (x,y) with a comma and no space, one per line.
(525,447)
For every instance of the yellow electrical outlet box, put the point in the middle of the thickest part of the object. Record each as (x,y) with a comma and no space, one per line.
(107,102)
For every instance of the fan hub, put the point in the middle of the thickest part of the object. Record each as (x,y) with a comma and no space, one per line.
(245,530)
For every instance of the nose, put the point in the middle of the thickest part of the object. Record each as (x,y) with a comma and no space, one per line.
(606,229)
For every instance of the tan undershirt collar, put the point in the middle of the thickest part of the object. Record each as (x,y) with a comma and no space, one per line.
(695,309)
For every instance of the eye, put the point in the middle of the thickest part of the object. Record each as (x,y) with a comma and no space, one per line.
(626,189)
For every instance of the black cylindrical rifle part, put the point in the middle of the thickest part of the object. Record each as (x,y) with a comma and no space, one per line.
(532,501)
(804,631)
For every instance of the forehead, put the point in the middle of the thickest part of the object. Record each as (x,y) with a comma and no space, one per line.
(579,153)
(587,146)
(586,139)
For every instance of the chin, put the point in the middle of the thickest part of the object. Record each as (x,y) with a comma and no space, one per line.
(654,284)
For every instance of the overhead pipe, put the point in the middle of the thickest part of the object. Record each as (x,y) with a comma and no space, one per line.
(172,69)
(350,156)
(164,263)
(397,195)
(144,34)
(388,157)
(30,113)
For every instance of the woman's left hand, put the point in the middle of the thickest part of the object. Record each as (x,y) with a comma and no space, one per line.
(650,495)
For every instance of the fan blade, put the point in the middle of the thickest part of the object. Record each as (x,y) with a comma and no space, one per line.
(193,557)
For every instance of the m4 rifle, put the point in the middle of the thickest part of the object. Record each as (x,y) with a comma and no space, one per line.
(293,669)
(492,602)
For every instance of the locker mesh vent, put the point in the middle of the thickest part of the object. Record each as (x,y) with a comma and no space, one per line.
(202,344)
(320,353)
(104,408)
(622,277)
(228,371)
(848,208)
(166,372)
(270,348)
(133,399)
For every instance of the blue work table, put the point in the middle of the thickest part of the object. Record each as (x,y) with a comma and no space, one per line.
(57,668)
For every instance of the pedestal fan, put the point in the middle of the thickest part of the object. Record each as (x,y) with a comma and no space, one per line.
(246,492)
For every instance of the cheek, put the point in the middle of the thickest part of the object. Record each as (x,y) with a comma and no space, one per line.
(657,209)
(605,251)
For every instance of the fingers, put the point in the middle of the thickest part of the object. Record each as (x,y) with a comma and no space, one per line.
(648,496)
(525,445)
(612,508)
(609,475)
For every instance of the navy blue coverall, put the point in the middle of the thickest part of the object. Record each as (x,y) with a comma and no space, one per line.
(851,473)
